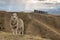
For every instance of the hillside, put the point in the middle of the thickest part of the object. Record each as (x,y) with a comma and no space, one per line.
(42,25)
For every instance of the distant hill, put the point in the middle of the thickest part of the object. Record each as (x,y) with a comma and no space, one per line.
(41,12)
(44,25)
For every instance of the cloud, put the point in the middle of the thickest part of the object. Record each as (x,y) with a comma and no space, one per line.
(49,6)
(50,1)
(44,1)
(29,5)
(39,5)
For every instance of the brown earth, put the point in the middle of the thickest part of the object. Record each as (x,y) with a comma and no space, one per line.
(42,25)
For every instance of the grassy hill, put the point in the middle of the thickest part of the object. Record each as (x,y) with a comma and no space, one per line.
(42,25)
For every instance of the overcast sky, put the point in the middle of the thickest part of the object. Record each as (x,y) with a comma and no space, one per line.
(52,6)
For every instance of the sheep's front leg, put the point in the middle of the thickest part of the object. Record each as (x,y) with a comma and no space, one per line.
(13,32)
(19,31)
(16,32)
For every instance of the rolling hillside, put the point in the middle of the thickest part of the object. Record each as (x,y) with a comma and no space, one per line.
(42,25)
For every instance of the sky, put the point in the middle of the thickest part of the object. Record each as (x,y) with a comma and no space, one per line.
(51,6)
